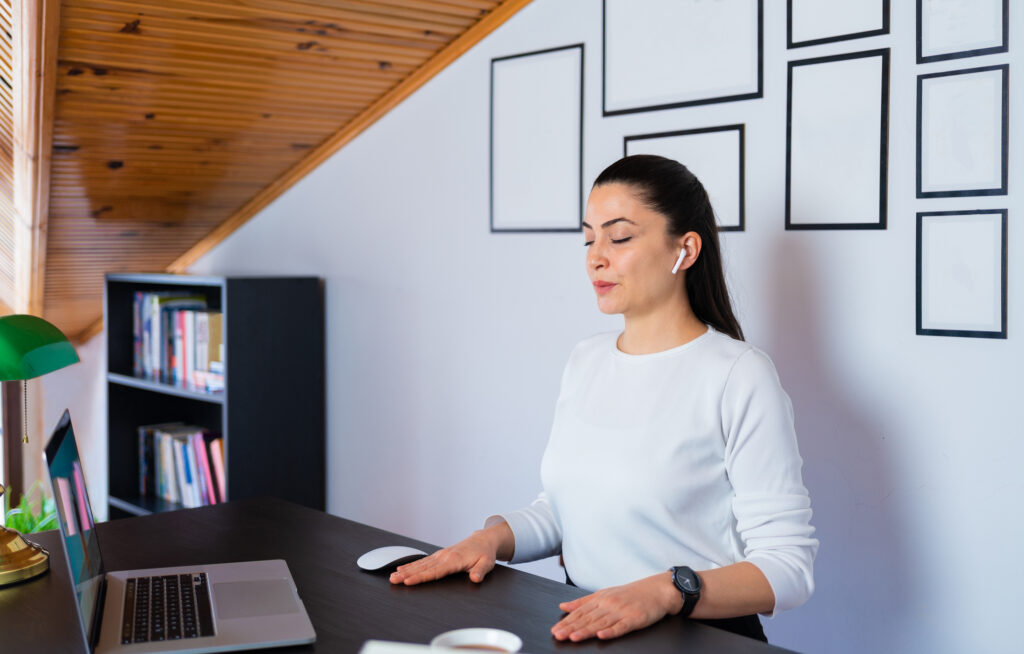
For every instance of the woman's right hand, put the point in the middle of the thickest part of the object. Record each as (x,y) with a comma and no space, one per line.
(475,555)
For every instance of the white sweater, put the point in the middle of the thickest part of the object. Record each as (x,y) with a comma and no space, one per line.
(682,457)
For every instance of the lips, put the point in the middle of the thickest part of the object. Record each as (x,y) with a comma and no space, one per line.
(603,287)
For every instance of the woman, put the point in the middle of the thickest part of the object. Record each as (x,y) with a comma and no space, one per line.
(672,477)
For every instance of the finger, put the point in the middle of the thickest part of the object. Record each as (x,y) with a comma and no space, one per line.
(411,568)
(593,627)
(403,572)
(480,570)
(432,573)
(575,620)
(435,569)
(572,605)
(620,628)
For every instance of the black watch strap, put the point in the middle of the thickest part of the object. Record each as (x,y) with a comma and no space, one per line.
(688,583)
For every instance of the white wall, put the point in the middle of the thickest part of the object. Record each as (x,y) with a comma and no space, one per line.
(446,342)
(82,390)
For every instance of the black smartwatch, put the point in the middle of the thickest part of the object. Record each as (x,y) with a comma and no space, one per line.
(688,583)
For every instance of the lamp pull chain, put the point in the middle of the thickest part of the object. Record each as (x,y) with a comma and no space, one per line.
(24,415)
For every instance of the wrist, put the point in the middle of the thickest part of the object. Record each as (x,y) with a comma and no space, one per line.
(672,600)
(689,584)
(499,539)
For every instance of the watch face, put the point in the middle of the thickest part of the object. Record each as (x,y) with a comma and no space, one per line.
(686,580)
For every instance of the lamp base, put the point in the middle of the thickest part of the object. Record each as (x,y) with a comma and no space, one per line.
(19,559)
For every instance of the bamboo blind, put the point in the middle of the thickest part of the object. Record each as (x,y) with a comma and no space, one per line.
(174,116)
(7,215)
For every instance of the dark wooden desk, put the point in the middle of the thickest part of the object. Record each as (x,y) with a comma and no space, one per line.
(347,606)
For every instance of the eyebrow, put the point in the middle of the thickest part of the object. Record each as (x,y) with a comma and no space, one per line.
(610,223)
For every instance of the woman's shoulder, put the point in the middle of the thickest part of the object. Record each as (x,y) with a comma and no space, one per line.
(595,345)
(743,364)
(738,355)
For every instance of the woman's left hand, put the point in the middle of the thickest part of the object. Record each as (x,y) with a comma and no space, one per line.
(615,611)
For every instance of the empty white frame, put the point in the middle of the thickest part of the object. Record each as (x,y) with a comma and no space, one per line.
(963,132)
(714,155)
(950,29)
(660,54)
(961,273)
(537,141)
(813,22)
(837,141)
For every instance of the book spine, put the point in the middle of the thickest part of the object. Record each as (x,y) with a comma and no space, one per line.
(190,474)
(202,362)
(204,467)
(145,462)
(217,455)
(179,466)
(159,462)
(179,348)
(147,367)
(197,469)
(137,334)
(189,342)
(164,354)
(155,338)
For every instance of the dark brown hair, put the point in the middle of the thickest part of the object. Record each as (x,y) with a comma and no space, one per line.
(669,188)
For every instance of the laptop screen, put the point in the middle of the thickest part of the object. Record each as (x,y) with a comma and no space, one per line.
(76,522)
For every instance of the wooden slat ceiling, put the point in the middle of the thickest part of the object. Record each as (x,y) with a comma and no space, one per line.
(176,120)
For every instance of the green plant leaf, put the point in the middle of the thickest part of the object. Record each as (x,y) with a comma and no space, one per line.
(28,519)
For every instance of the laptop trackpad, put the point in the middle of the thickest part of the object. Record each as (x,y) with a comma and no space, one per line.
(252,599)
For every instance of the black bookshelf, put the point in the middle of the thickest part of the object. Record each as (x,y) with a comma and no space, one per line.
(271,412)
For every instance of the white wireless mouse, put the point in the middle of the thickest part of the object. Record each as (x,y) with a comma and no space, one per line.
(388,558)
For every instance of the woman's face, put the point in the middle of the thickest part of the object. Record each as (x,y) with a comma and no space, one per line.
(629,253)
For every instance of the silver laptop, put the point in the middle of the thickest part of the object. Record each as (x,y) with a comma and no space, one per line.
(199,608)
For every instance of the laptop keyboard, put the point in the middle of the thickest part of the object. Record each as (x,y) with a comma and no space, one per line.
(168,607)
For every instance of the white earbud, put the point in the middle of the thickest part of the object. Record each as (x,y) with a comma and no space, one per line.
(679,261)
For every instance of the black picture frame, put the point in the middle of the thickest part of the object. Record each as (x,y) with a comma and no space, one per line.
(1004,155)
(579,179)
(790,44)
(759,93)
(1005,47)
(922,331)
(883,183)
(739,127)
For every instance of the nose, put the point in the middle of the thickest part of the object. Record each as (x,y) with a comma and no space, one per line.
(596,257)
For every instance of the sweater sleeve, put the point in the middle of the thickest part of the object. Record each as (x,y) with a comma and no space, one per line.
(535,528)
(770,503)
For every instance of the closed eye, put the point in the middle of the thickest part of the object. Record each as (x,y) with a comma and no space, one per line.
(620,240)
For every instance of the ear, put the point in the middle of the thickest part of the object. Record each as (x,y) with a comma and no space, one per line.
(691,242)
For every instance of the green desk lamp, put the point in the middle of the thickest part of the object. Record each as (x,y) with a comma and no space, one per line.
(29,347)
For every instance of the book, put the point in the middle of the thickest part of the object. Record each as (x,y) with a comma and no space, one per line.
(168,469)
(217,458)
(202,349)
(149,459)
(191,473)
(178,325)
(188,343)
(209,492)
(162,330)
(179,469)
(137,334)
(216,339)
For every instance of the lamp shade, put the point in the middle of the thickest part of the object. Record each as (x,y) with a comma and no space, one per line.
(30,347)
